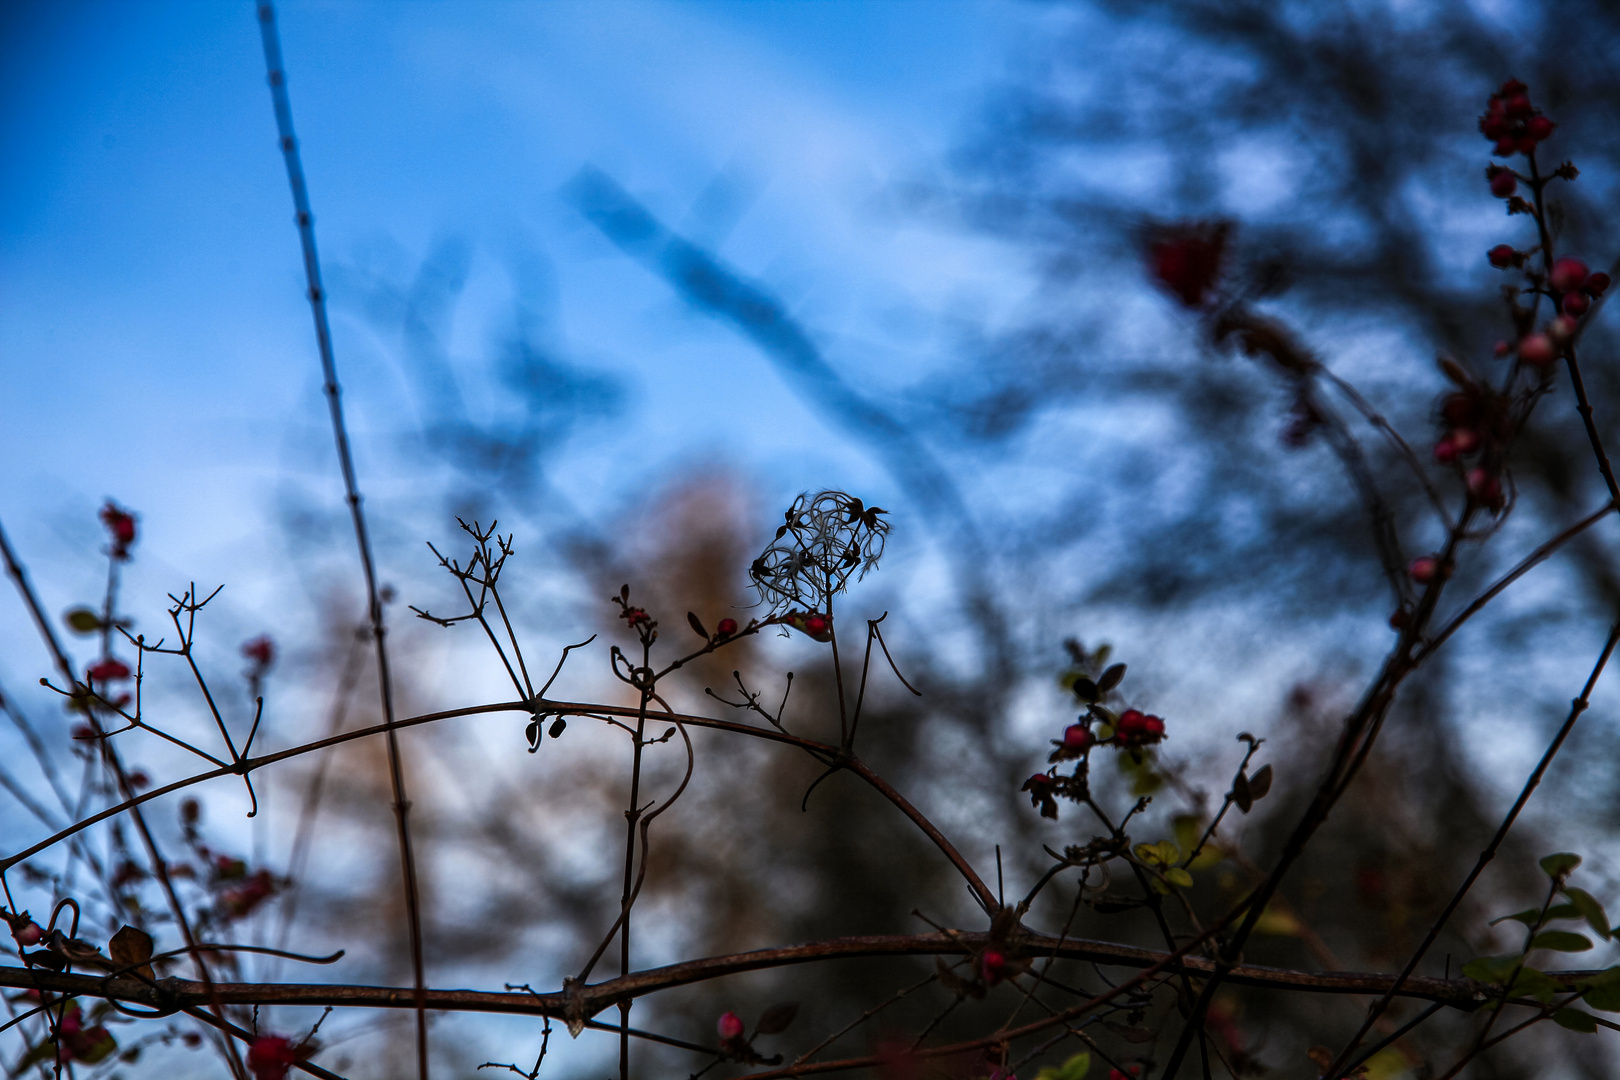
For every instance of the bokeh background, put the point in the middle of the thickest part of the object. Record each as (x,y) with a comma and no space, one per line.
(947,204)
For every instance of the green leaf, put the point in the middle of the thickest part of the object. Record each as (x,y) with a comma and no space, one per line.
(1106,682)
(1178,877)
(1560,864)
(1590,910)
(1075,1068)
(1528,916)
(81,620)
(1561,941)
(1606,998)
(1575,1020)
(1493,969)
(1532,983)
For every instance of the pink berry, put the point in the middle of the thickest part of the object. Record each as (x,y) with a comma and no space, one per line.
(1423,569)
(727,627)
(730,1027)
(1504,183)
(1502,256)
(1539,128)
(1597,284)
(1445,451)
(994,966)
(1562,328)
(1567,274)
(1076,737)
(1537,350)
(30,934)
(1575,304)
(1465,440)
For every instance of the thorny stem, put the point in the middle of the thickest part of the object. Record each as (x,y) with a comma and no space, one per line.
(374,607)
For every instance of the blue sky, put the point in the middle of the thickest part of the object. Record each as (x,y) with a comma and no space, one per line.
(154,341)
(155,345)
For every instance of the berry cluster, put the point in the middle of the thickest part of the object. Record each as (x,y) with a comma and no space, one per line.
(1513,123)
(121,526)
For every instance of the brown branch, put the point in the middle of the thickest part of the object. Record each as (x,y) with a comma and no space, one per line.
(172,993)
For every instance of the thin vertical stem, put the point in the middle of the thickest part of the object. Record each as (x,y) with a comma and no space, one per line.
(323,338)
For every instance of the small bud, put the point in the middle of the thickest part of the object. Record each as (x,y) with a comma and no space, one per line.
(1502,256)
(1502,348)
(730,1027)
(1423,569)
(1537,350)
(1575,304)
(83,731)
(190,811)
(1399,619)
(1567,274)
(726,628)
(191,1039)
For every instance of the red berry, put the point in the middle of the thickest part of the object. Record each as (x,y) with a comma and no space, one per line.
(1502,256)
(261,650)
(191,1039)
(1502,348)
(730,1026)
(727,627)
(1539,127)
(1076,737)
(1526,145)
(1038,781)
(1153,727)
(1567,274)
(270,1057)
(1575,304)
(1423,569)
(994,966)
(1537,349)
(815,624)
(1445,451)
(29,933)
(109,670)
(1484,485)
(1504,183)
(83,731)
(1512,88)
(1597,283)
(1505,147)
(1130,722)
(1399,619)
